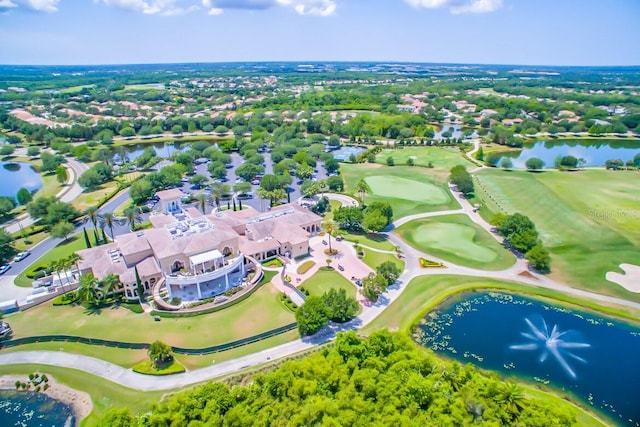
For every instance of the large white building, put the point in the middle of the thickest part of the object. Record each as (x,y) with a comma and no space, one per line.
(198,256)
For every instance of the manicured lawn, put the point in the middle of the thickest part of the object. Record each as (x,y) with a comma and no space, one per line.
(374,259)
(322,281)
(589,220)
(104,394)
(457,239)
(92,198)
(409,190)
(372,240)
(63,250)
(259,313)
(442,158)
(22,244)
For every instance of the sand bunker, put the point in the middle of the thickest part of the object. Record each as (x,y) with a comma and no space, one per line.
(630,280)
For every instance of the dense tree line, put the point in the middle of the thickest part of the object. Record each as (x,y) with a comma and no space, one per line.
(383,380)
(462,179)
(316,312)
(520,232)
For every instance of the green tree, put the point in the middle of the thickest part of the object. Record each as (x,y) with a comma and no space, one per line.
(90,179)
(6,150)
(480,154)
(49,161)
(159,353)
(349,218)
(539,258)
(462,179)
(62,229)
(534,164)
(304,171)
(108,220)
(88,289)
(389,270)
(24,196)
(340,307)
(390,161)
(108,285)
(506,163)
(362,188)
(60,212)
(373,221)
(117,417)
(373,286)
(198,180)
(7,251)
(7,204)
(311,316)
(329,227)
(61,174)
(132,214)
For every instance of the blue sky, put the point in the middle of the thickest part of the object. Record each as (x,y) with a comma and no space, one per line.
(543,32)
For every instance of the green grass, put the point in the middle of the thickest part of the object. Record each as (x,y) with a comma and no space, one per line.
(259,313)
(335,205)
(147,368)
(442,158)
(92,198)
(589,220)
(457,239)
(276,262)
(374,259)
(409,190)
(63,250)
(104,394)
(377,241)
(323,280)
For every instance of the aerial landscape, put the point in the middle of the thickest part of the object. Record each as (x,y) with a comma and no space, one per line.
(319,212)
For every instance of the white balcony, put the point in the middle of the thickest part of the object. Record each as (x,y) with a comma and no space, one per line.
(192,279)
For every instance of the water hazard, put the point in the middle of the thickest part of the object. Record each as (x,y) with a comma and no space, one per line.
(594,358)
(30,409)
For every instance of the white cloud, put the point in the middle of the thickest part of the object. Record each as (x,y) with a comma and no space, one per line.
(459,6)
(311,7)
(48,6)
(152,7)
(217,7)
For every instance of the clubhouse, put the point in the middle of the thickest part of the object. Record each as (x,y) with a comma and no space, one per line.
(195,256)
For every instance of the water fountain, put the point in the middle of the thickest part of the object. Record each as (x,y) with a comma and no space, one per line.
(555,343)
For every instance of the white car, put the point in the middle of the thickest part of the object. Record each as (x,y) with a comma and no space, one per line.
(4,269)
(21,256)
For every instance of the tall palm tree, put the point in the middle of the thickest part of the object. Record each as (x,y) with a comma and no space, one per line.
(216,193)
(202,202)
(362,188)
(74,258)
(329,227)
(511,397)
(107,219)
(56,267)
(109,284)
(92,213)
(87,289)
(131,213)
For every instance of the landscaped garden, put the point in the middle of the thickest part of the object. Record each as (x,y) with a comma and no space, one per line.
(323,280)
(589,220)
(457,239)
(409,190)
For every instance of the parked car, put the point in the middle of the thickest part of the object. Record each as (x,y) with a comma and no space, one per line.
(21,256)
(4,269)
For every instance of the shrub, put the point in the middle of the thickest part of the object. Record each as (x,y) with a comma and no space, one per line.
(66,299)
(305,266)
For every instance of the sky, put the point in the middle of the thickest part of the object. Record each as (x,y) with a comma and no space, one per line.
(528,32)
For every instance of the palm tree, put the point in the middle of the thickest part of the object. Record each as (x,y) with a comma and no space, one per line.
(329,227)
(511,397)
(74,258)
(107,219)
(87,290)
(56,266)
(262,195)
(131,213)
(92,213)
(216,193)
(109,284)
(362,188)
(202,202)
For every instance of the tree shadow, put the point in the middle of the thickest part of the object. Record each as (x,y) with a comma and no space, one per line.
(92,310)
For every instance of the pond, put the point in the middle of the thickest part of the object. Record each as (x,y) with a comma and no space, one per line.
(31,409)
(452,131)
(594,358)
(164,150)
(13,176)
(594,151)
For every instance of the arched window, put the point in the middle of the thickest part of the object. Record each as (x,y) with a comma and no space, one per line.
(177,266)
(227,251)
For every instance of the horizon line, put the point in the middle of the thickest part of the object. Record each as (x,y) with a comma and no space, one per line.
(377,62)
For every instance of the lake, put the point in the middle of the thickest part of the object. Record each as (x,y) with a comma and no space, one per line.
(596,152)
(594,358)
(16,175)
(164,150)
(31,409)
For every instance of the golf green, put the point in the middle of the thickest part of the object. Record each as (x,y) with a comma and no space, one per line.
(402,188)
(457,239)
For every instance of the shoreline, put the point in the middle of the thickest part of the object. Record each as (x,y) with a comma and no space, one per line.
(79,401)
